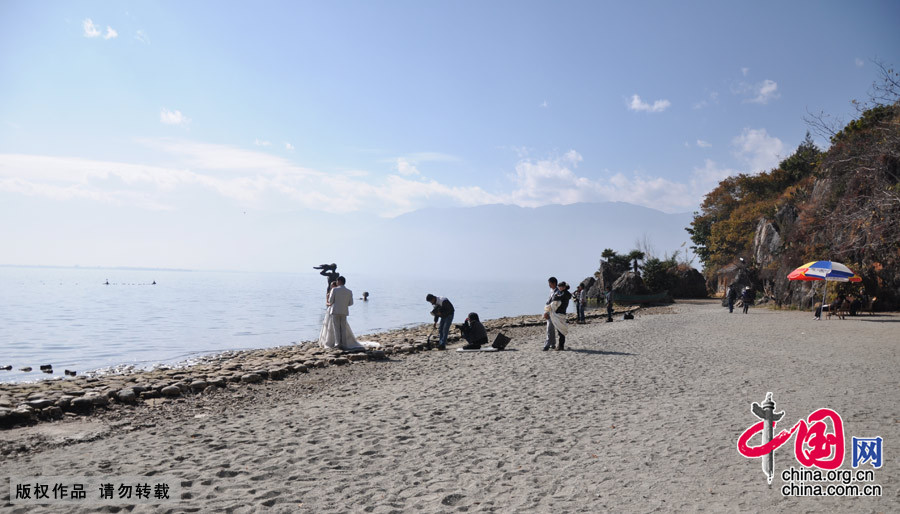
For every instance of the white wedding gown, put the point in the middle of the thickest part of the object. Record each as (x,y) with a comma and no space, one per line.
(328,337)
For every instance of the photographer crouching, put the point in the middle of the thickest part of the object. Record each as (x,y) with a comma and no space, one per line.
(473,332)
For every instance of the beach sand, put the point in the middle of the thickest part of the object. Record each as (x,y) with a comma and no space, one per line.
(639,415)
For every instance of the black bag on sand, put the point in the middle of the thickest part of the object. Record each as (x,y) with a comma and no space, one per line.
(500,342)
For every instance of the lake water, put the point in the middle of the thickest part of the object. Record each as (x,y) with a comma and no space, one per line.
(69,318)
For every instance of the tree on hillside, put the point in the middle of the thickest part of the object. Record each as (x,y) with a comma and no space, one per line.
(843,204)
(724,227)
(635,256)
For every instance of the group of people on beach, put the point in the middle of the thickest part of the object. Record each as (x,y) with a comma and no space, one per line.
(336,332)
(555,311)
(746,296)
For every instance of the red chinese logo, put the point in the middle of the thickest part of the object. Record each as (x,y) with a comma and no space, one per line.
(814,445)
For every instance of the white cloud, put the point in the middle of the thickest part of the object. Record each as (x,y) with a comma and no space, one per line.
(712,98)
(141,36)
(90,30)
(64,178)
(110,33)
(703,144)
(289,147)
(761,93)
(401,195)
(173,117)
(407,165)
(859,62)
(249,178)
(259,142)
(554,181)
(258,179)
(706,178)
(206,156)
(636,104)
(544,104)
(404,167)
(758,149)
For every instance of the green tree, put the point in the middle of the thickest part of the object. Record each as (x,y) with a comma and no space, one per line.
(723,229)
(634,256)
(618,263)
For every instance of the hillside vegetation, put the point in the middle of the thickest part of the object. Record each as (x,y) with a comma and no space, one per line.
(842,204)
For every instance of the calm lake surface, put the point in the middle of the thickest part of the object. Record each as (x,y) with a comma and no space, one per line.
(70,318)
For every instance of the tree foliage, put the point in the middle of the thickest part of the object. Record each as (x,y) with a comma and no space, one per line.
(658,273)
(724,227)
(618,263)
(843,204)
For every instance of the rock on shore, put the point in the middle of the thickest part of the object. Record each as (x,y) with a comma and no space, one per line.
(26,403)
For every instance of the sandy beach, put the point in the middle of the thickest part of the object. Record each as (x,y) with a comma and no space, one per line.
(638,415)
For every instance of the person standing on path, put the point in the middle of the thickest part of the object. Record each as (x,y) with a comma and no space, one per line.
(580,301)
(443,311)
(731,294)
(746,298)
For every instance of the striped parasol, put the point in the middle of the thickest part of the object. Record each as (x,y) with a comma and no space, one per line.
(827,271)
(824,270)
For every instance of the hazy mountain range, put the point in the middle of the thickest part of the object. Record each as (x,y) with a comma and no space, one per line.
(490,241)
(505,241)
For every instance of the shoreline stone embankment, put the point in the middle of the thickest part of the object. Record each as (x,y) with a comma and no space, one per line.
(26,403)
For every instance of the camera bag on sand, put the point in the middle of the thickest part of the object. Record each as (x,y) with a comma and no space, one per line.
(500,341)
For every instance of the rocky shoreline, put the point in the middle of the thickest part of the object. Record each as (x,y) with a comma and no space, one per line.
(48,400)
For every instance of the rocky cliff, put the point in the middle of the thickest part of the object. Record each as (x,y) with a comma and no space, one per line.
(848,211)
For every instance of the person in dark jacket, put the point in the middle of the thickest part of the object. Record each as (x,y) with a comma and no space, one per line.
(443,311)
(473,332)
(580,298)
(731,295)
(559,292)
(747,298)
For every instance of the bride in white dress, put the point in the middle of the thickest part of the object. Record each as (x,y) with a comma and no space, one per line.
(328,338)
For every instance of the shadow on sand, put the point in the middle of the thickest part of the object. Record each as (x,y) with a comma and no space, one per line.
(597,352)
(868,320)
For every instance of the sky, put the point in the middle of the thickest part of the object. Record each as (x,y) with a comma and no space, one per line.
(206,134)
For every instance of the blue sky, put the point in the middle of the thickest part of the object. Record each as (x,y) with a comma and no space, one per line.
(119,118)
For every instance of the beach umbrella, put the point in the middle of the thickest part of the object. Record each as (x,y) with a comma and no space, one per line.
(827,271)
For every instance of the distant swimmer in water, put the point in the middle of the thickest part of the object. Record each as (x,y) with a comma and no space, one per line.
(154,283)
(365,296)
(106,283)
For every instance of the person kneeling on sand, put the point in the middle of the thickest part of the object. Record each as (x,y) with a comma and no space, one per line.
(473,332)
